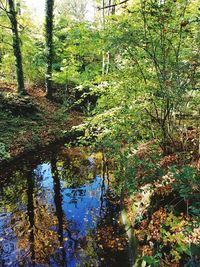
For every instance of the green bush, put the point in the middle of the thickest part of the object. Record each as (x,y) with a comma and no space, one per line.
(187,184)
(4,154)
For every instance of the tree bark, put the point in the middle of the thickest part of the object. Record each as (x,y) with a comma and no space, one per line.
(49,46)
(16,47)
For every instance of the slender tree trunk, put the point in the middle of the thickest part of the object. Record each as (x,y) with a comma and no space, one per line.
(106,55)
(103,52)
(49,46)
(113,8)
(16,47)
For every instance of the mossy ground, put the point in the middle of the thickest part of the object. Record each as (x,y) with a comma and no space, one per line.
(31,121)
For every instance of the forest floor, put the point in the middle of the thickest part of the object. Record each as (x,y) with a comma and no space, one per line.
(31,121)
(163,213)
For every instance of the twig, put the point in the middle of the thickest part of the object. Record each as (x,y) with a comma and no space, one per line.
(3,7)
(5,27)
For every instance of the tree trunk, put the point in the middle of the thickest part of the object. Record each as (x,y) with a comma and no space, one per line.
(103,22)
(49,46)
(16,47)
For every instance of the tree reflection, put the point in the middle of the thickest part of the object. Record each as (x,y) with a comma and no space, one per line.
(54,210)
(76,169)
(34,228)
(59,210)
(30,213)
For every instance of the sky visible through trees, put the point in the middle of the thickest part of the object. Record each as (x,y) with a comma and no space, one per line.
(38,7)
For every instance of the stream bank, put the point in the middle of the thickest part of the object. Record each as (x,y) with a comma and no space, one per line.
(161,214)
(30,122)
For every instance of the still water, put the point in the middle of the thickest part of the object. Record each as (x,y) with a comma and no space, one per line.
(58,209)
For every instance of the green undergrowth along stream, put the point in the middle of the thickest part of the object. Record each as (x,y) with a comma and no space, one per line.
(159,192)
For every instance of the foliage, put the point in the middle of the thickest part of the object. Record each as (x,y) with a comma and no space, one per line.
(170,239)
(30,45)
(188,186)
(4,154)
(151,66)
(76,62)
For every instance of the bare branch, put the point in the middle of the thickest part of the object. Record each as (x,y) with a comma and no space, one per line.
(114,5)
(2,7)
(154,118)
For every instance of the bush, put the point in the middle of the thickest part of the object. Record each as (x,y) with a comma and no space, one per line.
(4,155)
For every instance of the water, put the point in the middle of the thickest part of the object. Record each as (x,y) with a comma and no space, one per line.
(57,209)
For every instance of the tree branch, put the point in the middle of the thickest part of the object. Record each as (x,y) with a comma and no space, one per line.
(7,43)
(138,64)
(152,116)
(5,27)
(114,5)
(2,7)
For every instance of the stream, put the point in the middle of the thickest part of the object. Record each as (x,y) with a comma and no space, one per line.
(58,208)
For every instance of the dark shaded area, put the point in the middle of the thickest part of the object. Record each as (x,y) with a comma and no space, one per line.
(17,105)
(30,213)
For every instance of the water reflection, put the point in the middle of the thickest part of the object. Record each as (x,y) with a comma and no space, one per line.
(59,211)
(30,214)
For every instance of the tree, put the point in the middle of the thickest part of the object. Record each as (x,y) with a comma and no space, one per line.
(12,15)
(157,73)
(76,9)
(75,62)
(49,46)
